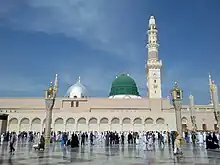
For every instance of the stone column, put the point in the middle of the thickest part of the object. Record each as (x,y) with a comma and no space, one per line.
(177,96)
(178,106)
(49,107)
(192,116)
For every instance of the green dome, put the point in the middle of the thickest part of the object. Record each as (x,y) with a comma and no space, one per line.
(124,85)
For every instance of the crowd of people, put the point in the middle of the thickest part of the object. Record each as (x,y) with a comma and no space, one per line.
(144,140)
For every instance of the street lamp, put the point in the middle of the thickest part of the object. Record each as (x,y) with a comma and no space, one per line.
(50,96)
(192,115)
(177,97)
(214,91)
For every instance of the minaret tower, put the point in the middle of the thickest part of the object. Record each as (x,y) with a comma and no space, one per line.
(210,92)
(153,65)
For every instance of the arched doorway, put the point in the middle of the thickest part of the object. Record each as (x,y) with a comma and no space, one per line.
(25,124)
(59,125)
(13,125)
(81,125)
(127,126)
(93,124)
(160,123)
(149,124)
(138,126)
(204,127)
(70,125)
(115,125)
(184,124)
(36,125)
(104,126)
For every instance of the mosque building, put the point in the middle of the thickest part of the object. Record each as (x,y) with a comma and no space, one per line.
(123,110)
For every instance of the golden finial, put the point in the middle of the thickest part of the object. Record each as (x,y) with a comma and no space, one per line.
(50,90)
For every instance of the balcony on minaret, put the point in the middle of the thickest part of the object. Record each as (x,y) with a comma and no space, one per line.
(154,64)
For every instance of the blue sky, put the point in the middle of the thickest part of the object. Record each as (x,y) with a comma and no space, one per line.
(99,39)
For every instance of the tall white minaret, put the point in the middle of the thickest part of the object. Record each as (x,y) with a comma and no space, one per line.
(153,66)
(210,92)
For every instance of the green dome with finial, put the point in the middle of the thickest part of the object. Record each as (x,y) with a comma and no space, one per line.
(124,85)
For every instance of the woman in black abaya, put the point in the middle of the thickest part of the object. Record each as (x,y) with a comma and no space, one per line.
(215,141)
(209,144)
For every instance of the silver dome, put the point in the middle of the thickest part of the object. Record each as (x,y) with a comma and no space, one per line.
(77,90)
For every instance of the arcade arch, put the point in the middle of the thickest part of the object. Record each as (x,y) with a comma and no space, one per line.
(13,124)
(184,123)
(81,124)
(149,124)
(59,124)
(104,126)
(160,121)
(126,125)
(93,124)
(70,124)
(138,124)
(160,124)
(115,124)
(36,125)
(25,124)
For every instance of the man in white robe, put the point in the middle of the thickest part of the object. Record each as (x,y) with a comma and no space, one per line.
(204,137)
(200,138)
(144,142)
(150,142)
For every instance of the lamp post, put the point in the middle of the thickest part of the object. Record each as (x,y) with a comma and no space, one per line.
(214,91)
(177,96)
(192,115)
(50,96)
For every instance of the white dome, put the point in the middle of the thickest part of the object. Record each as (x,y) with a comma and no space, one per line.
(77,90)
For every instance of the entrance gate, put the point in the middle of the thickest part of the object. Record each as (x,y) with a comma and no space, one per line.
(3,123)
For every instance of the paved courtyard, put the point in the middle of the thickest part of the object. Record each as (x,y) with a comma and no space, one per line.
(100,155)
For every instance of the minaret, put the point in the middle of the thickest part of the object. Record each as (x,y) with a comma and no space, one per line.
(210,92)
(153,66)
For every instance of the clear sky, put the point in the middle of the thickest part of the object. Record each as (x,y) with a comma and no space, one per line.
(99,39)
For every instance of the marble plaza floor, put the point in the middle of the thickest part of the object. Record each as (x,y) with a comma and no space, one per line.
(100,155)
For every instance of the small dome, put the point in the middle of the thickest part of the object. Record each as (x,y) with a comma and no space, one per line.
(76,91)
(125,87)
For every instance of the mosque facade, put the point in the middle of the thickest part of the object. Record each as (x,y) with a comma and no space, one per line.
(123,110)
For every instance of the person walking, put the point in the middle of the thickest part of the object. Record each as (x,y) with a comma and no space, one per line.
(177,145)
(12,142)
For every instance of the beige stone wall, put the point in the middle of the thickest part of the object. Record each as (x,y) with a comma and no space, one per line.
(101,114)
